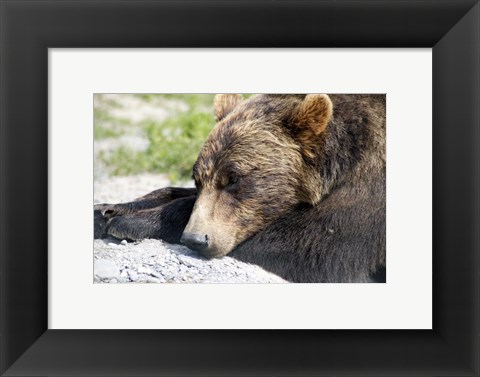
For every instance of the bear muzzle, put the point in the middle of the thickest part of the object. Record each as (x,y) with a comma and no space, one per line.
(194,241)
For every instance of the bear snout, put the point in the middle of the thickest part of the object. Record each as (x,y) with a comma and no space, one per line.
(194,241)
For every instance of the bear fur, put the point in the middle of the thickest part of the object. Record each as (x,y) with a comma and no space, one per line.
(292,183)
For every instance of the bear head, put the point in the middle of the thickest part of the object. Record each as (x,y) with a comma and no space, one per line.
(259,161)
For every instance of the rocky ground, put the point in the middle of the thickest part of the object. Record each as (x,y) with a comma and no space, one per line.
(155,261)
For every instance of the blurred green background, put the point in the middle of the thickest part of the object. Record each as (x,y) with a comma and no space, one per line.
(150,133)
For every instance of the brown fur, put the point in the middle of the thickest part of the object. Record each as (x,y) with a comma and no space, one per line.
(224,103)
(274,144)
(311,118)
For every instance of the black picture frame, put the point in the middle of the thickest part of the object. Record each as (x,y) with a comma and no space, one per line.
(28,28)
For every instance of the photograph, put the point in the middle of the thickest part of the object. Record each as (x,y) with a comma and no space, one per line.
(239,188)
(275,198)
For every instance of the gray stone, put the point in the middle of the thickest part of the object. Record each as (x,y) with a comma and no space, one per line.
(133,275)
(189,261)
(144,270)
(156,274)
(105,269)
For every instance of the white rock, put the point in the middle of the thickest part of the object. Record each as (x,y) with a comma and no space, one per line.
(151,279)
(144,270)
(133,275)
(156,274)
(189,261)
(105,269)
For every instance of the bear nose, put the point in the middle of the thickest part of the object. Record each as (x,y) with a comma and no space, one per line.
(197,242)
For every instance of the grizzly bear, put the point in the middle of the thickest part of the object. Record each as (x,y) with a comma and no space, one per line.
(292,183)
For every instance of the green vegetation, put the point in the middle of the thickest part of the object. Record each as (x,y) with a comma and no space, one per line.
(173,144)
(107,126)
(173,147)
(194,101)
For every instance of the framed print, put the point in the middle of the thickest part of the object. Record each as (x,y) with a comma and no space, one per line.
(53,49)
(70,101)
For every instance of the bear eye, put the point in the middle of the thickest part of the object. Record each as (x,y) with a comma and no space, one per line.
(233,181)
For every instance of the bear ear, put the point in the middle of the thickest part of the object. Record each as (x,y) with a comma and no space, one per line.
(224,104)
(314,113)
